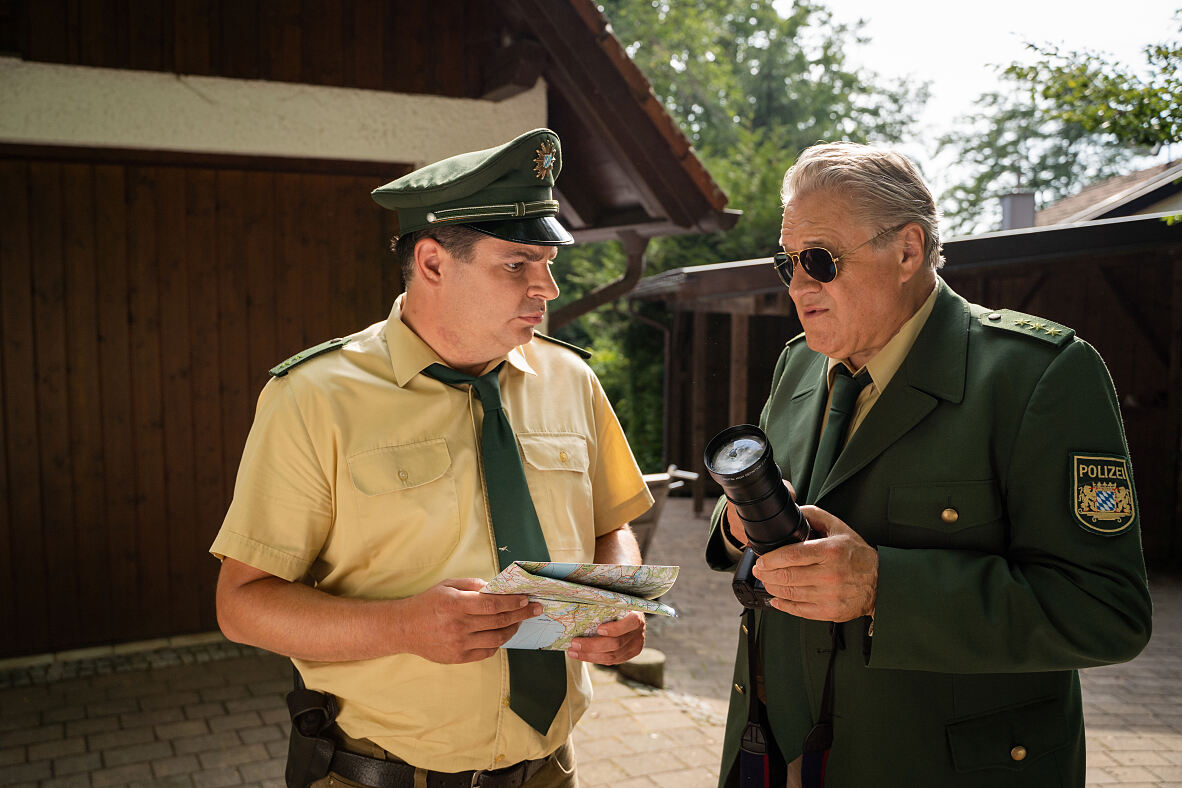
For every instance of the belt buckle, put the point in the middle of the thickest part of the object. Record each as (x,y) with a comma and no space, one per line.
(477,777)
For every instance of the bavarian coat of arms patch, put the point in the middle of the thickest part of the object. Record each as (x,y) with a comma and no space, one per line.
(1103,493)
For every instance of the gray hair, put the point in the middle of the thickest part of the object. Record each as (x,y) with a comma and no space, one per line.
(882,186)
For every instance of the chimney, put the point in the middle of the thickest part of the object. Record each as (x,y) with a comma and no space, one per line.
(1017,210)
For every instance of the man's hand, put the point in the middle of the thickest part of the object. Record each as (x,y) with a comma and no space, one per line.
(453,622)
(829,579)
(614,642)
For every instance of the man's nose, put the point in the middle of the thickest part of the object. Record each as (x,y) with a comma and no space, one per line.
(801,281)
(543,285)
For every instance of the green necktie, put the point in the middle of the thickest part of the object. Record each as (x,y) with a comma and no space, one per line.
(842,401)
(841,409)
(537,679)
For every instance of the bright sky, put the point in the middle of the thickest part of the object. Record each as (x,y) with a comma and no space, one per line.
(951,43)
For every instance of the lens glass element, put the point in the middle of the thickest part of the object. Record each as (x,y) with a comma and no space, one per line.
(737,455)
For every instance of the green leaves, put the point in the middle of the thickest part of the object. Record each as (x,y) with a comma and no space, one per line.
(1067,120)
(751,89)
(1138,109)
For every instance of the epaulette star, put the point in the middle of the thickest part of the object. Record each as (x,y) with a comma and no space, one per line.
(1026,325)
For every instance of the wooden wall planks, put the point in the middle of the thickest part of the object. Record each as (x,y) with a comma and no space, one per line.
(368,44)
(142,304)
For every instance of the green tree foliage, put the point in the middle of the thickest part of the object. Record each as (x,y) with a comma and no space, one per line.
(1018,143)
(1101,96)
(751,88)
(1069,119)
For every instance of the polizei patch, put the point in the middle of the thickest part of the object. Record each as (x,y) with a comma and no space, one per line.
(1103,494)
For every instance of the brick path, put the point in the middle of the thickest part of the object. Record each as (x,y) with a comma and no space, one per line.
(203,712)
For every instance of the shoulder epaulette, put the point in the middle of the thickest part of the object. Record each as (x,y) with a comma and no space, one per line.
(1027,325)
(280,370)
(584,354)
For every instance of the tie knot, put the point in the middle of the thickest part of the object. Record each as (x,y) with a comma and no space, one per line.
(846,388)
(487,386)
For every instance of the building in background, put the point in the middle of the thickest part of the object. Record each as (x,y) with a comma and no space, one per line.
(186,203)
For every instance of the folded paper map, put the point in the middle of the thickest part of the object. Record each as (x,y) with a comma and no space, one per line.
(577,598)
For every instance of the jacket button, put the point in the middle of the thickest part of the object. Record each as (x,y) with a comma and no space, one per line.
(739,688)
(1018,753)
(995,315)
(949,515)
(403,475)
(564,457)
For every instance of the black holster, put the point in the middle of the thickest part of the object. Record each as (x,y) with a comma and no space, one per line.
(310,750)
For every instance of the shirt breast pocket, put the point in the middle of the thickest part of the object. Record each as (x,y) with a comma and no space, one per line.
(405,498)
(557,469)
(964,515)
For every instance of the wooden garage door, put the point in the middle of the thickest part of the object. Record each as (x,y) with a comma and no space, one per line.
(142,303)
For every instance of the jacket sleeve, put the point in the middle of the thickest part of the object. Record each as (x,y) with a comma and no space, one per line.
(719,555)
(1062,595)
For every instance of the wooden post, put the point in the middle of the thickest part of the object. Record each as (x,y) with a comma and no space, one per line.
(698,419)
(739,343)
(1174,383)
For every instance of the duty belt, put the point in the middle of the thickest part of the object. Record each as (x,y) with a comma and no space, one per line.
(378,773)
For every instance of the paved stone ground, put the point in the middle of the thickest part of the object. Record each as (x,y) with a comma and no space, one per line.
(203,712)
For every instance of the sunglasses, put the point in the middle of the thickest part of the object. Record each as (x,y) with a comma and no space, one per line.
(818,262)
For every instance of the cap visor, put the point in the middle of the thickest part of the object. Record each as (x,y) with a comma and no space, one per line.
(539,231)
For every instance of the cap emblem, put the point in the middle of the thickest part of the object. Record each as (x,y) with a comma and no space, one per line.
(544,160)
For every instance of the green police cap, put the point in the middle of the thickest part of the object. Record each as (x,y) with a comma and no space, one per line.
(503,191)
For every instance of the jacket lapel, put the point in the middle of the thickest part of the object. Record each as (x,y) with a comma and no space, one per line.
(803,424)
(933,370)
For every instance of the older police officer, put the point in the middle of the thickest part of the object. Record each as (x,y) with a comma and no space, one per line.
(389,474)
(980,526)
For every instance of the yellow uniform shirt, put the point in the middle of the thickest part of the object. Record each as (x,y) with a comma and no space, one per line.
(362,476)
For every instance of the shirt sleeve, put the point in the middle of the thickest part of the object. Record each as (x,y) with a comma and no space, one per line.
(1062,596)
(620,493)
(282,508)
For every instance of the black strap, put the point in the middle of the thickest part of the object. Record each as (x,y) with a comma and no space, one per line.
(815,750)
(760,762)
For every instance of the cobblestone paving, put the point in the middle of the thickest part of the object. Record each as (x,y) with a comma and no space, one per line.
(202,712)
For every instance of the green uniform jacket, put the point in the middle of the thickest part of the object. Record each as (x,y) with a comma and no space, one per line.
(980,624)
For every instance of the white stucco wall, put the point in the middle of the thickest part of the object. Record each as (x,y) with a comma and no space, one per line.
(48,104)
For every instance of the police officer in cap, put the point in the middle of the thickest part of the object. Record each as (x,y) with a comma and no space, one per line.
(391,473)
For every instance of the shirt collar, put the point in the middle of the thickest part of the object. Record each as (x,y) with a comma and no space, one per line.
(410,355)
(886,362)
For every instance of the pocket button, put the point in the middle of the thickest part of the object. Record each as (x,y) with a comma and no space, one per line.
(950,515)
(1018,753)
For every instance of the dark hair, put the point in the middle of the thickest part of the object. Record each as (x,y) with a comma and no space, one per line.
(457,239)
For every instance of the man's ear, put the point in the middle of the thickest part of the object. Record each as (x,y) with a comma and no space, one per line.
(913,258)
(429,259)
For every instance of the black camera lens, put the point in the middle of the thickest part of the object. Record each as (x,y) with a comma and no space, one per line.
(740,459)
